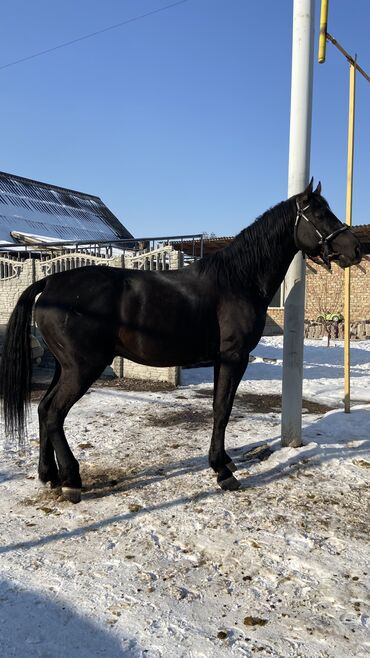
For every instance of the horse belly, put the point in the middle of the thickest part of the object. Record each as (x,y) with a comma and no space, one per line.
(155,347)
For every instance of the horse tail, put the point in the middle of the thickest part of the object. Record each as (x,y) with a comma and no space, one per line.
(16,364)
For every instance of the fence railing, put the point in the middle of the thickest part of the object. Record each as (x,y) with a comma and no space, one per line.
(69,261)
(9,267)
(158,253)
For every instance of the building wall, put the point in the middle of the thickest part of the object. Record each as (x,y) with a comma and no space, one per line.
(274,322)
(325,291)
(325,294)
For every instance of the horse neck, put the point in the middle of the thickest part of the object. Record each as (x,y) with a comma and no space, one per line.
(267,248)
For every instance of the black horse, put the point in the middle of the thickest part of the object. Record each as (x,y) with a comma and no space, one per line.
(214,311)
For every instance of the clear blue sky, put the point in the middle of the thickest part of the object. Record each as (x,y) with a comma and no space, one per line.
(178,121)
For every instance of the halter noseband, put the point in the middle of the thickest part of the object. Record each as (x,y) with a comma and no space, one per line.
(327,254)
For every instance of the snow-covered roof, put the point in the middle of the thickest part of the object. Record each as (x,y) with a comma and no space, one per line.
(34,208)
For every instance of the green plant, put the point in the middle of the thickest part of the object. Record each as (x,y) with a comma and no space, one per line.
(330,317)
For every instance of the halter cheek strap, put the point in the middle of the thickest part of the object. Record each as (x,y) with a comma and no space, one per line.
(327,253)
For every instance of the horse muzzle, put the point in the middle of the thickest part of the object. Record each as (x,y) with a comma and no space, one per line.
(346,260)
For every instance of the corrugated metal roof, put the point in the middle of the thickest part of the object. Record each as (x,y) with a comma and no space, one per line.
(36,208)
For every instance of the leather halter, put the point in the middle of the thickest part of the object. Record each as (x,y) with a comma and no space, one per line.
(327,253)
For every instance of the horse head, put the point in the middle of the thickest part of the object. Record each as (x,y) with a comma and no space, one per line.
(318,232)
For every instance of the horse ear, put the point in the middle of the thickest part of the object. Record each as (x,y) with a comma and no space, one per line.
(318,189)
(308,191)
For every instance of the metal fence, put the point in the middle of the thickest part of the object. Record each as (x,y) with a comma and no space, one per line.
(153,253)
(194,246)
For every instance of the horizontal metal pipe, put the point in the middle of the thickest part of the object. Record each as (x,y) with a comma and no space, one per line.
(352,60)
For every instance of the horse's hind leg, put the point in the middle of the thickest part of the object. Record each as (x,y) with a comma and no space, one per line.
(73,383)
(48,469)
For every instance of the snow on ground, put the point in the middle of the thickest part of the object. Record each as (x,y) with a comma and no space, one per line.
(157,561)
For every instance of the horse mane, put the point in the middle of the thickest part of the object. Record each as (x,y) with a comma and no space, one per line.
(250,249)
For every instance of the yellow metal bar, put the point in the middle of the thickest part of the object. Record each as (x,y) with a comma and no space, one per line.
(347,273)
(325,36)
(323,28)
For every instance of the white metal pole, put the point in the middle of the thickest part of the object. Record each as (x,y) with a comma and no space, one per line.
(299,166)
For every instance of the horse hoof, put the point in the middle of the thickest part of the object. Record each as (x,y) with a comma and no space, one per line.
(230,484)
(232,467)
(71,494)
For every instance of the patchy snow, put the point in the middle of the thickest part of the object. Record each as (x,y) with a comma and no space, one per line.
(157,561)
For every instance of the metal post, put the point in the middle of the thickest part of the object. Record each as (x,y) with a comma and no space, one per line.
(347,271)
(323,30)
(299,165)
(354,66)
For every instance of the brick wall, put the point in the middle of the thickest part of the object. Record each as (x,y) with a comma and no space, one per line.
(325,291)
(325,294)
(274,322)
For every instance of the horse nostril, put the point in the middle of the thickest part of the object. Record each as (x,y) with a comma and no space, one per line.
(358,252)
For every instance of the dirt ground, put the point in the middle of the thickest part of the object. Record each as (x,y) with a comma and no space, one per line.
(251,401)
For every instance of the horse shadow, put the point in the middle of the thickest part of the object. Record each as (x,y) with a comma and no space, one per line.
(37,625)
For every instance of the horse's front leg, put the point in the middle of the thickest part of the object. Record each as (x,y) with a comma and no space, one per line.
(226,383)
(227,461)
